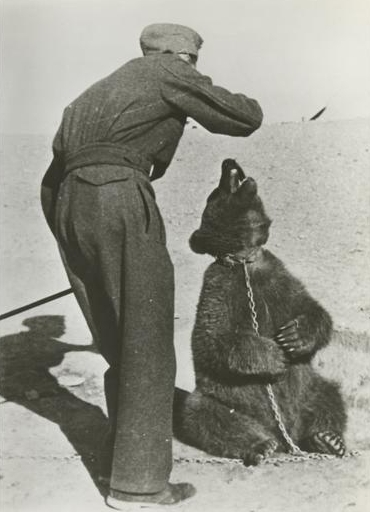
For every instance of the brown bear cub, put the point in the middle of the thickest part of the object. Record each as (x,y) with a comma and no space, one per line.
(230,414)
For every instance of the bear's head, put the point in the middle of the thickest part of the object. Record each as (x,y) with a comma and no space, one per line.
(234,221)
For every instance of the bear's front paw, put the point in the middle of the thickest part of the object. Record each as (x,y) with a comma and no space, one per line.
(260,451)
(276,363)
(293,340)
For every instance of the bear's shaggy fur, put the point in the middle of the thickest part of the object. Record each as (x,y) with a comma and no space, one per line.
(229,413)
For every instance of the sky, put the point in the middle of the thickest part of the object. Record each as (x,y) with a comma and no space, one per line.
(293,56)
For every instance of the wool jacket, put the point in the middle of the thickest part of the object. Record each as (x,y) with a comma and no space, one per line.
(135,118)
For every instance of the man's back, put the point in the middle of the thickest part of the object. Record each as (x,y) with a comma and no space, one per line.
(126,108)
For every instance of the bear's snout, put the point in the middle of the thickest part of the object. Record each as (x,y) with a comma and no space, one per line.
(247,190)
(229,164)
(250,185)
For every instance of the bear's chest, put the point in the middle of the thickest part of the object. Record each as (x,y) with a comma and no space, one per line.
(264,303)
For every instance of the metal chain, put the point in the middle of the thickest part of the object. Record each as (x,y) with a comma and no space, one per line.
(197,460)
(293,448)
(74,456)
(252,304)
(276,461)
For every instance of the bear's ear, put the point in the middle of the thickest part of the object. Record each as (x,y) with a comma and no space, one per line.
(231,176)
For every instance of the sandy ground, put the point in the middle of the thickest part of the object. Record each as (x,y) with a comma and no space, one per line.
(314,180)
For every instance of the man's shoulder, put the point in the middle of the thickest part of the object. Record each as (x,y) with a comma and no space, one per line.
(151,60)
(149,64)
(141,72)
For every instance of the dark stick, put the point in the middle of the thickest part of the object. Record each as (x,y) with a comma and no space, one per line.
(35,304)
(318,114)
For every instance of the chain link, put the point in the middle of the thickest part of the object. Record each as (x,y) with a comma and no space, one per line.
(276,461)
(199,460)
(252,304)
(75,456)
(294,449)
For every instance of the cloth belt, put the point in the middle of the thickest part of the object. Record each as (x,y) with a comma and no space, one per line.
(98,153)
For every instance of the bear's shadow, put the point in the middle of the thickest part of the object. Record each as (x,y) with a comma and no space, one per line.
(26,358)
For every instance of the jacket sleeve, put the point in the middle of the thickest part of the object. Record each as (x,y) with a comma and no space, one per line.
(214,107)
(51,181)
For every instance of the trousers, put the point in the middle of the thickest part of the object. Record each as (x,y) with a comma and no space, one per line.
(112,242)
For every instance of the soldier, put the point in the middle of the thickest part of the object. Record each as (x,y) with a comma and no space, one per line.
(114,139)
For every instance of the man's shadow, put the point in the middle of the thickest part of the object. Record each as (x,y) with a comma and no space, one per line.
(25,359)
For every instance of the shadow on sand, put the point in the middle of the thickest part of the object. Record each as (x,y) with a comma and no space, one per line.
(26,358)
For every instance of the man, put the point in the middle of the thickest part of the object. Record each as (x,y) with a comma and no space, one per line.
(114,139)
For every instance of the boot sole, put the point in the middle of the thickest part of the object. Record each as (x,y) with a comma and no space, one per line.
(130,506)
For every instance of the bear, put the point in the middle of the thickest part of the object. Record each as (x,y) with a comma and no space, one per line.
(255,334)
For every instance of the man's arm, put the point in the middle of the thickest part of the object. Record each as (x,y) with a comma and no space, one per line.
(214,107)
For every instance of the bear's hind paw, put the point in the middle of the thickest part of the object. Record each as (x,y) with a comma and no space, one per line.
(328,442)
(260,451)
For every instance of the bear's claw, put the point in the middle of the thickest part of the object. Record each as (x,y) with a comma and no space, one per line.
(292,339)
(328,442)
